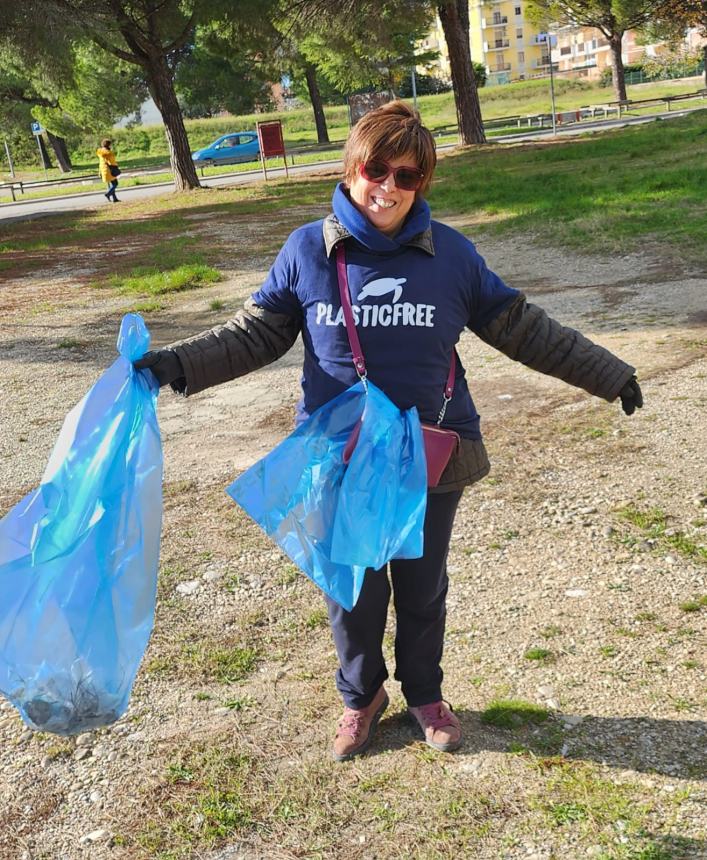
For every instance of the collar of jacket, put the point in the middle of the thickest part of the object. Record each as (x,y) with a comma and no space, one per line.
(335,232)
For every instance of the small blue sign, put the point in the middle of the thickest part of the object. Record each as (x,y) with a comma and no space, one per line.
(37,128)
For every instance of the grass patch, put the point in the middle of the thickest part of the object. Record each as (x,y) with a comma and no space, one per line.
(513,713)
(694,605)
(226,665)
(601,194)
(318,618)
(653,523)
(72,343)
(149,306)
(577,797)
(156,282)
(539,655)
(204,798)
(550,631)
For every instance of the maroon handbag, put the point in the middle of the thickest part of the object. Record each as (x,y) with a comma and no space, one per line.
(440,444)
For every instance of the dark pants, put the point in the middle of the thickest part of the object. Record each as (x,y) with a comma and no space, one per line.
(112,185)
(419,593)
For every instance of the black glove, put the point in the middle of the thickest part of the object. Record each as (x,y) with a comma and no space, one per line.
(164,364)
(631,397)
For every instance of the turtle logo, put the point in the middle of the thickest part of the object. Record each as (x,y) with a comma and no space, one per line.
(381,286)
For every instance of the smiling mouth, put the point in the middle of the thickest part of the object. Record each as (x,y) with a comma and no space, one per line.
(383,203)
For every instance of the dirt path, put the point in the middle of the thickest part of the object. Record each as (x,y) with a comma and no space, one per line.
(583,545)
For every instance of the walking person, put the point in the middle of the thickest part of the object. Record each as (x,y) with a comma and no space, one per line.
(415,285)
(108,168)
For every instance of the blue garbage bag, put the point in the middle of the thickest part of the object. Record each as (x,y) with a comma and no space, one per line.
(79,556)
(333,519)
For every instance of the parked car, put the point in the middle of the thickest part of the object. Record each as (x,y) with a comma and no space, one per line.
(229,149)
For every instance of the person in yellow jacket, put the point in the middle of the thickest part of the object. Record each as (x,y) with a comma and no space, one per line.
(106,160)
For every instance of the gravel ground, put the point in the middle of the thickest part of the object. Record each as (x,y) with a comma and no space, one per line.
(541,557)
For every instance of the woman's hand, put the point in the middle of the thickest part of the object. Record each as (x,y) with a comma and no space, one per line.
(631,396)
(164,365)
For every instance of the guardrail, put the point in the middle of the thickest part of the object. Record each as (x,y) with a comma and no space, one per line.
(629,104)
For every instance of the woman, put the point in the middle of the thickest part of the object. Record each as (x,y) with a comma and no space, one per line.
(106,160)
(415,285)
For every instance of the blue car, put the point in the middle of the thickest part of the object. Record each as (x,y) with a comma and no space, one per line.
(229,149)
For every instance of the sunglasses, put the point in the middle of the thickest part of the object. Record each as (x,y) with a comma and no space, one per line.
(406,178)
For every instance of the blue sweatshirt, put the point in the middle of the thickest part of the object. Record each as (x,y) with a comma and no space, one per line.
(410,306)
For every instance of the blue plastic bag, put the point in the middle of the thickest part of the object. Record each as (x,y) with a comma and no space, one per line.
(335,520)
(79,556)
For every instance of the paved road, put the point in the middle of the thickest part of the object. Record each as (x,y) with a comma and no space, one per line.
(10,212)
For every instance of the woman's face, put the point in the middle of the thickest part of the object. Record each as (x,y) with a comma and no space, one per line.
(384,204)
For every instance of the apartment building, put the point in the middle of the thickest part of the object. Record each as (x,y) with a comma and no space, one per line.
(585,51)
(501,38)
(435,41)
(505,41)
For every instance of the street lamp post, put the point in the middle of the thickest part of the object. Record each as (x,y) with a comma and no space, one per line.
(547,39)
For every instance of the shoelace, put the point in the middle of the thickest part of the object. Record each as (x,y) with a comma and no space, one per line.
(350,723)
(436,715)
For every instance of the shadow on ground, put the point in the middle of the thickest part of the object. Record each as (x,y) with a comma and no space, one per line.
(675,748)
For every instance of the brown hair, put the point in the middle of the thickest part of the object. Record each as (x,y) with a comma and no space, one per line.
(106,143)
(392,131)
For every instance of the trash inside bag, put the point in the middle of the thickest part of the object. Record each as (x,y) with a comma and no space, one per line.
(333,519)
(79,556)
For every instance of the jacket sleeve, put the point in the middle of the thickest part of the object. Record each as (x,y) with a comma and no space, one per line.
(253,338)
(525,333)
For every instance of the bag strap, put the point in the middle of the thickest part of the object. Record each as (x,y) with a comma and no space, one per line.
(355,344)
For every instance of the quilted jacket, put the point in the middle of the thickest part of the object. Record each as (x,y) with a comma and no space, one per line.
(256,337)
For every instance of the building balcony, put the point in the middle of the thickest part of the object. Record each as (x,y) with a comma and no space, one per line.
(498,45)
(496,21)
(500,67)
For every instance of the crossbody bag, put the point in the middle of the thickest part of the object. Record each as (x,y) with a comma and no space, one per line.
(440,444)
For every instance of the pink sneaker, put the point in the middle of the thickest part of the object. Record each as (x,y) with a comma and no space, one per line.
(441,728)
(356,728)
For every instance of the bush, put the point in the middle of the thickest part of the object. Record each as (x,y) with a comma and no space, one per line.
(607,77)
(426,85)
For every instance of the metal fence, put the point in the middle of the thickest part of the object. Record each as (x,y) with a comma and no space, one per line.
(638,76)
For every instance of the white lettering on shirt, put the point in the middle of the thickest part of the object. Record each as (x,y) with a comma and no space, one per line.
(370,316)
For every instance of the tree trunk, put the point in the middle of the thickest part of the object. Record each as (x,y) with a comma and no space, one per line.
(454,16)
(617,66)
(160,83)
(316,98)
(704,60)
(61,152)
(46,161)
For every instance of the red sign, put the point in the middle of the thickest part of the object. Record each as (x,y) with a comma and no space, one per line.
(270,138)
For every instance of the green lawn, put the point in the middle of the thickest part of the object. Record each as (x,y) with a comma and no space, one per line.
(607,193)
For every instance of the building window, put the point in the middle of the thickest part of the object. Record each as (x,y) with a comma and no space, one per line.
(517,10)
(521,56)
(565,50)
(519,33)
(580,47)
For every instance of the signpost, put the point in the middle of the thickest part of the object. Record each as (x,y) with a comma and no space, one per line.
(549,41)
(37,131)
(9,158)
(271,143)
